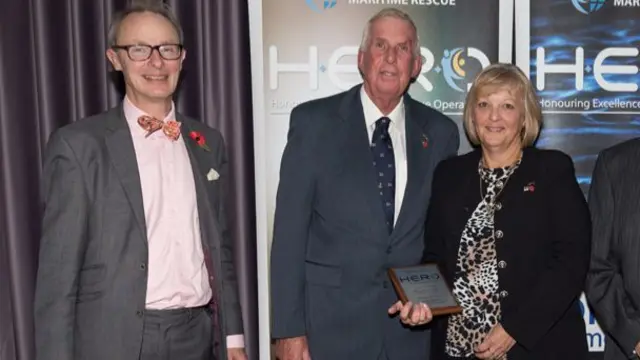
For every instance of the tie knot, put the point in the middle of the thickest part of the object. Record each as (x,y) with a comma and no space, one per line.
(383,124)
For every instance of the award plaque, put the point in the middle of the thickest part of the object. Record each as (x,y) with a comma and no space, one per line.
(424,284)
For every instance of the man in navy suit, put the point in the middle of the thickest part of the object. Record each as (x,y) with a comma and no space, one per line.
(354,187)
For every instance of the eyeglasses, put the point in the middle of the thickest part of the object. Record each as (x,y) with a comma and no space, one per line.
(143,52)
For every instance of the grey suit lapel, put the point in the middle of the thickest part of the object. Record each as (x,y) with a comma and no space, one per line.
(418,165)
(358,153)
(200,165)
(120,146)
(197,155)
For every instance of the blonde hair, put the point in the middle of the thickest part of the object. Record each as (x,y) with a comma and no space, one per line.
(505,75)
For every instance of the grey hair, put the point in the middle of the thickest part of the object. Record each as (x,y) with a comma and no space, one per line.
(392,13)
(140,6)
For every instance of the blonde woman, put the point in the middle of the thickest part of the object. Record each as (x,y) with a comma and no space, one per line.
(510,228)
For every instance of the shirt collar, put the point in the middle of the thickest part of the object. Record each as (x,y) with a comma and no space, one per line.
(372,113)
(132,113)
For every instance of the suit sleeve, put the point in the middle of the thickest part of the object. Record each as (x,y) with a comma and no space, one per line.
(291,227)
(232,310)
(453,145)
(605,284)
(62,246)
(562,279)
(433,241)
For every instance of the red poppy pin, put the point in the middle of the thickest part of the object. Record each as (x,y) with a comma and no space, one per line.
(199,139)
(425,141)
(530,187)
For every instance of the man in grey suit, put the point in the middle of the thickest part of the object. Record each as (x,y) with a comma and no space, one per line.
(613,281)
(355,182)
(135,260)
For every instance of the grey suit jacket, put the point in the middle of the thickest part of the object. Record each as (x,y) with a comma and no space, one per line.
(92,275)
(331,248)
(613,281)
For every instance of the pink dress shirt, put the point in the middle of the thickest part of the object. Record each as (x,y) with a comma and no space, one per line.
(177,274)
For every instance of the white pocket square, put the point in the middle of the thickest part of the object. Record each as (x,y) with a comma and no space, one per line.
(212,175)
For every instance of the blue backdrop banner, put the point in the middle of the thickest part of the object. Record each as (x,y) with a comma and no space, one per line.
(306,49)
(582,56)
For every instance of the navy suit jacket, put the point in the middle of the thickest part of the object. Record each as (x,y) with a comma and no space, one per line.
(331,248)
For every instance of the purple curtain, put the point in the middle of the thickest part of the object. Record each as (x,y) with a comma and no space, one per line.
(53,71)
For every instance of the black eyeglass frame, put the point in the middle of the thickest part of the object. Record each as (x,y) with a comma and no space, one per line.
(151,50)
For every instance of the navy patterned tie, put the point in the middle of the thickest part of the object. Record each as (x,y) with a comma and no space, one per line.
(384,164)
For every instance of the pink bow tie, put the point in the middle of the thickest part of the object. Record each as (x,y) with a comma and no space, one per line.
(170,128)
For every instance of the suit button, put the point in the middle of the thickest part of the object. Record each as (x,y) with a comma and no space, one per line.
(385,284)
(504,294)
(139,313)
(498,205)
(502,264)
(388,251)
(143,266)
(499,234)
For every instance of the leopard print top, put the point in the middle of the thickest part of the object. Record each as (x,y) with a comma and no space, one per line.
(476,277)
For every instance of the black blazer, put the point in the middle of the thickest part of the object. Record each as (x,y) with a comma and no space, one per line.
(543,243)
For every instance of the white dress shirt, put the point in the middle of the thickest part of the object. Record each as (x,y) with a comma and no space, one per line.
(397,132)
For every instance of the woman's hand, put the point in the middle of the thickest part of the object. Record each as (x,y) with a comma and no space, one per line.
(496,345)
(410,314)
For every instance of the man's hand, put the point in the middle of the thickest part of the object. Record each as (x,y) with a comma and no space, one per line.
(292,349)
(236,354)
(410,314)
(638,349)
(496,345)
